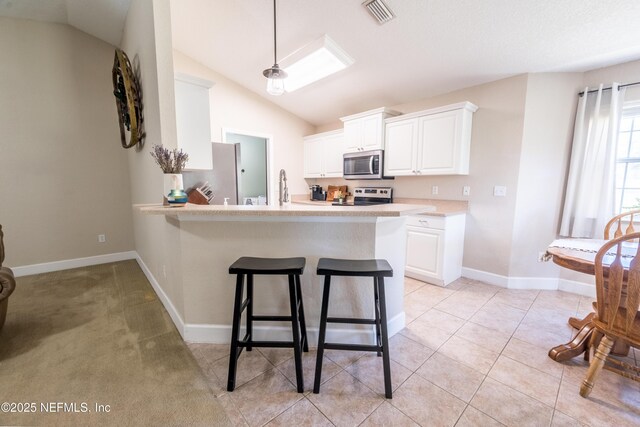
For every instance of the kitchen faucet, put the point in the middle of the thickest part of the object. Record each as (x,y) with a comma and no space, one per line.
(284,190)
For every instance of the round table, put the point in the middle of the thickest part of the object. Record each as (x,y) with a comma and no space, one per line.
(579,255)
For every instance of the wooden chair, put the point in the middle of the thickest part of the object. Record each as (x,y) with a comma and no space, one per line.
(7,284)
(617,317)
(617,222)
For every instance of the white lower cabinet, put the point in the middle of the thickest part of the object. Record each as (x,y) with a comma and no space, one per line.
(434,248)
(323,155)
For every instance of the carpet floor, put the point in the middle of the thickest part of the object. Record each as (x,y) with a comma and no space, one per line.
(95,346)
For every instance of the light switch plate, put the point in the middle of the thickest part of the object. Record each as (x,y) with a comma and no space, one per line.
(466,190)
(499,191)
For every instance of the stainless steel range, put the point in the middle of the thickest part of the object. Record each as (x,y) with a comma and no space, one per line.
(363,196)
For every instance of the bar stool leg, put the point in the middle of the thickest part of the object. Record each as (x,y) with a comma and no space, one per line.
(385,340)
(249,311)
(321,333)
(303,325)
(235,330)
(296,333)
(376,300)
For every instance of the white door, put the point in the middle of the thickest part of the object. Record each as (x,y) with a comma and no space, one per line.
(424,253)
(333,149)
(193,123)
(439,142)
(313,158)
(372,132)
(352,136)
(400,147)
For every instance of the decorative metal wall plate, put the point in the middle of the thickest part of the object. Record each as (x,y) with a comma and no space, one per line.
(126,89)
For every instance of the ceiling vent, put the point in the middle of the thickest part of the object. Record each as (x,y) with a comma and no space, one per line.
(379,10)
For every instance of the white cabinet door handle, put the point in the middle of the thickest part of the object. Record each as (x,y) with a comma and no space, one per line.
(423,221)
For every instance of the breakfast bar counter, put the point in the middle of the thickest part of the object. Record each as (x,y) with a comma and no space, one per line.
(297,208)
(201,242)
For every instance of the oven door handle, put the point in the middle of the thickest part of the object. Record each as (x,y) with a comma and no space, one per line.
(371,165)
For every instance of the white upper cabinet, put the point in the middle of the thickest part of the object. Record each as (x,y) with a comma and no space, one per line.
(193,120)
(323,155)
(430,142)
(400,160)
(365,131)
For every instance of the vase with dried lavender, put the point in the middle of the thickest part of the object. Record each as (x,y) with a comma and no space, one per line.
(172,162)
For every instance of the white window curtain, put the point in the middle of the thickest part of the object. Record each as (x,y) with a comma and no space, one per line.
(589,197)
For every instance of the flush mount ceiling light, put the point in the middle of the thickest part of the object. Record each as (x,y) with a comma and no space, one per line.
(313,62)
(379,10)
(275,75)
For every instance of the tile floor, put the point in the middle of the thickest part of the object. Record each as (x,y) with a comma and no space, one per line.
(471,355)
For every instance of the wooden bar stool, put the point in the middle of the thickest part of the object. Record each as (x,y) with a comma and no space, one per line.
(378,269)
(291,267)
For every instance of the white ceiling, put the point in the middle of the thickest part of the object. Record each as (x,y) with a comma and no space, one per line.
(103,19)
(431,47)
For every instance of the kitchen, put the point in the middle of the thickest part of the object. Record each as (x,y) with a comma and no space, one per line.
(524,120)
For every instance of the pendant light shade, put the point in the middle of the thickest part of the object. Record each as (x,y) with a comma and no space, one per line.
(275,76)
(275,79)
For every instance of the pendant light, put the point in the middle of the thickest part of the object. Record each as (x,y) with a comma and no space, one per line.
(275,76)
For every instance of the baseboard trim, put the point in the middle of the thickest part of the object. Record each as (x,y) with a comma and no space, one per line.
(208,333)
(485,276)
(47,267)
(221,334)
(544,283)
(586,289)
(164,298)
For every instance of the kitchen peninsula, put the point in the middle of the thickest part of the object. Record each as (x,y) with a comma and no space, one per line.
(205,240)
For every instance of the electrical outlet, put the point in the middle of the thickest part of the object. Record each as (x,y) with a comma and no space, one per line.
(466,190)
(102,238)
(499,191)
(434,189)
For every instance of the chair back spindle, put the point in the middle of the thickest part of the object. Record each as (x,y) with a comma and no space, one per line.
(617,318)
(618,299)
(618,222)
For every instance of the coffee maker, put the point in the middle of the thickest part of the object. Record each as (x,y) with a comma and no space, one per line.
(317,193)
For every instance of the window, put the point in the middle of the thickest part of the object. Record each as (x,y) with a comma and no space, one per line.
(628,160)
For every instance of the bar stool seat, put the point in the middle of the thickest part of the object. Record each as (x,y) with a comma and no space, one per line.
(354,267)
(378,269)
(253,265)
(250,266)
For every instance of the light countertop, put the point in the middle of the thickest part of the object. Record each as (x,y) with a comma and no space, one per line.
(318,209)
(434,207)
(302,206)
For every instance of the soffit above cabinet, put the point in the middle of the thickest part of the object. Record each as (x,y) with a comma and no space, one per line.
(457,106)
(381,110)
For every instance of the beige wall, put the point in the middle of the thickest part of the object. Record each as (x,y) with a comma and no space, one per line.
(63,174)
(495,157)
(147,41)
(235,107)
(546,146)
(522,136)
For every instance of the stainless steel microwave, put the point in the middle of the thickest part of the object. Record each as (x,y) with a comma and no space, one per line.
(363,165)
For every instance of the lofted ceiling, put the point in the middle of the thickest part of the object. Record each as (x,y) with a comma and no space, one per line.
(103,19)
(432,46)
